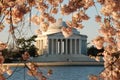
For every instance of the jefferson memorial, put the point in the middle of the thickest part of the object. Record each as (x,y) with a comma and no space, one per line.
(53,46)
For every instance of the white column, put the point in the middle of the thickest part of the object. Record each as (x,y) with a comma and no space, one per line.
(56,46)
(36,43)
(52,46)
(42,46)
(66,40)
(39,46)
(80,45)
(71,46)
(64,46)
(75,47)
(61,46)
(48,46)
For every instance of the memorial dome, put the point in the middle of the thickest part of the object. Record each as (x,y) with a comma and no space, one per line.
(56,27)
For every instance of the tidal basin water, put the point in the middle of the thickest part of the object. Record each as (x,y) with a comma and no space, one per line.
(59,72)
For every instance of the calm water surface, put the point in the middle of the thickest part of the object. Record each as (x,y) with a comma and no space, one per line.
(60,72)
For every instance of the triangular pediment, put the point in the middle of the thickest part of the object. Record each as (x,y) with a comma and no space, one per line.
(59,34)
(56,34)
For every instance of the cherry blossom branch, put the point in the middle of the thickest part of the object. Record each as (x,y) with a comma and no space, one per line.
(13,71)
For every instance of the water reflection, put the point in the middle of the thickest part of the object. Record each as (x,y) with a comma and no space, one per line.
(59,72)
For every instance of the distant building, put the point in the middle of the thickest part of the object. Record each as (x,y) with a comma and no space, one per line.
(53,43)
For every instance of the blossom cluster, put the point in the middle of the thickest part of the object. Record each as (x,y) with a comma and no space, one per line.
(67,32)
(109,39)
(3,68)
(33,71)
(13,12)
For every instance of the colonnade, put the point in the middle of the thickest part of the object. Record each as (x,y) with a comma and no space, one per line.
(39,44)
(64,46)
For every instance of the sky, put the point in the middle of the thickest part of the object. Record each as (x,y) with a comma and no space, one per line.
(90,27)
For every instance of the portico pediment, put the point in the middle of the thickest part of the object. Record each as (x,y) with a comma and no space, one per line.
(61,35)
(56,34)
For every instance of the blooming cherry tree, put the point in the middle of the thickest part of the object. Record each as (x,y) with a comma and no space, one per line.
(13,13)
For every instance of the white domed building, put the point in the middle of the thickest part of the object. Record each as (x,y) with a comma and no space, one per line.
(53,46)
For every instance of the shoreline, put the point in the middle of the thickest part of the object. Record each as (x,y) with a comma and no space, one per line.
(94,63)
